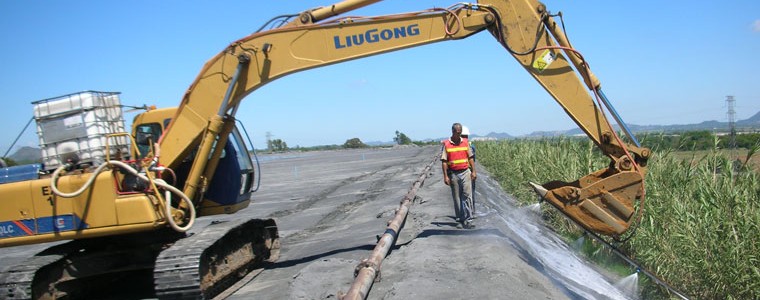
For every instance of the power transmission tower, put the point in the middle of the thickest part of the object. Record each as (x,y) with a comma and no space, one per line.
(731,121)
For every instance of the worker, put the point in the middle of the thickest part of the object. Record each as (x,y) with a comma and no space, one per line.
(458,173)
(466,136)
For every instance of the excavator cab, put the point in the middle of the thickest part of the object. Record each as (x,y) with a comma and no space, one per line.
(230,187)
(232,184)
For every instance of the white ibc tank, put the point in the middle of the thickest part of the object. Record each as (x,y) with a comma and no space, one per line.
(76,127)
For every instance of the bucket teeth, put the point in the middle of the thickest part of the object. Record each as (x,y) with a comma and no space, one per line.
(540,190)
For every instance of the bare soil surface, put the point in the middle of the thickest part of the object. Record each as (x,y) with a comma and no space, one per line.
(331,207)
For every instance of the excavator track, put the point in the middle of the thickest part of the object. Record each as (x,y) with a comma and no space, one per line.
(16,278)
(85,268)
(206,263)
(171,264)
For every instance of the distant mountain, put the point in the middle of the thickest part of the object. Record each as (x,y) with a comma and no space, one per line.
(551,133)
(26,154)
(753,121)
(751,124)
(489,136)
(496,135)
(31,154)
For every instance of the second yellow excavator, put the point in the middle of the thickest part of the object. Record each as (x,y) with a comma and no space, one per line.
(129,211)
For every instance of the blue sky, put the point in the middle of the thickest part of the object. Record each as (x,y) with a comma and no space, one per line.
(660,62)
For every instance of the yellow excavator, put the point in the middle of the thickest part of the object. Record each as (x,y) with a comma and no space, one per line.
(131,213)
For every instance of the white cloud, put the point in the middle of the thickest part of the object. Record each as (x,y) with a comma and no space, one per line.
(756,26)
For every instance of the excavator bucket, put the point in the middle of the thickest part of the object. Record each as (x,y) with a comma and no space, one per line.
(599,202)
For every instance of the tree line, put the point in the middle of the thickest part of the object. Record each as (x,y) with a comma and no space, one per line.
(278,145)
(697,140)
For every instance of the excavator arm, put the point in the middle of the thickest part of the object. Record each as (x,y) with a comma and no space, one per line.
(601,202)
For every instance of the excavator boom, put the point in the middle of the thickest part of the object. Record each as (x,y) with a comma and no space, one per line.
(601,202)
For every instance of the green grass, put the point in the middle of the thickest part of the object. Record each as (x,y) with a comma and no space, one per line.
(700,231)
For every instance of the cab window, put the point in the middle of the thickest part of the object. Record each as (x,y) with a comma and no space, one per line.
(145,135)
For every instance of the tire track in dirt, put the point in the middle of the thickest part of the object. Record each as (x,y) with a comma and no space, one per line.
(343,211)
(321,195)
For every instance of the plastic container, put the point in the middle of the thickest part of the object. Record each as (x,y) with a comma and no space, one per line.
(75,127)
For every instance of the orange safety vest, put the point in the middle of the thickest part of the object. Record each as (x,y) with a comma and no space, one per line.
(457,154)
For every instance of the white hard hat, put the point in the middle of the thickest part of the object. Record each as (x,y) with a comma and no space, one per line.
(465,130)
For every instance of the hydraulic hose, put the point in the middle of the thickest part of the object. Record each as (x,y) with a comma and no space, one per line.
(159,182)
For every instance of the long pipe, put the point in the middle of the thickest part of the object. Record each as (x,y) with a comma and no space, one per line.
(639,267)
(367,270)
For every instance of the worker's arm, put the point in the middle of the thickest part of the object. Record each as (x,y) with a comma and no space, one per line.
(471,161)
(473,174)
(445,165)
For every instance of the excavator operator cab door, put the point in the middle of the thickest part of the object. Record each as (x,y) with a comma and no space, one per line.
(243,157)
(232,185)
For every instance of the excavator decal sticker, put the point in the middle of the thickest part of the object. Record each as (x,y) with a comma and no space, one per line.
(23,227)
(376,35)
(544,60)
(40,226)
(16,228)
